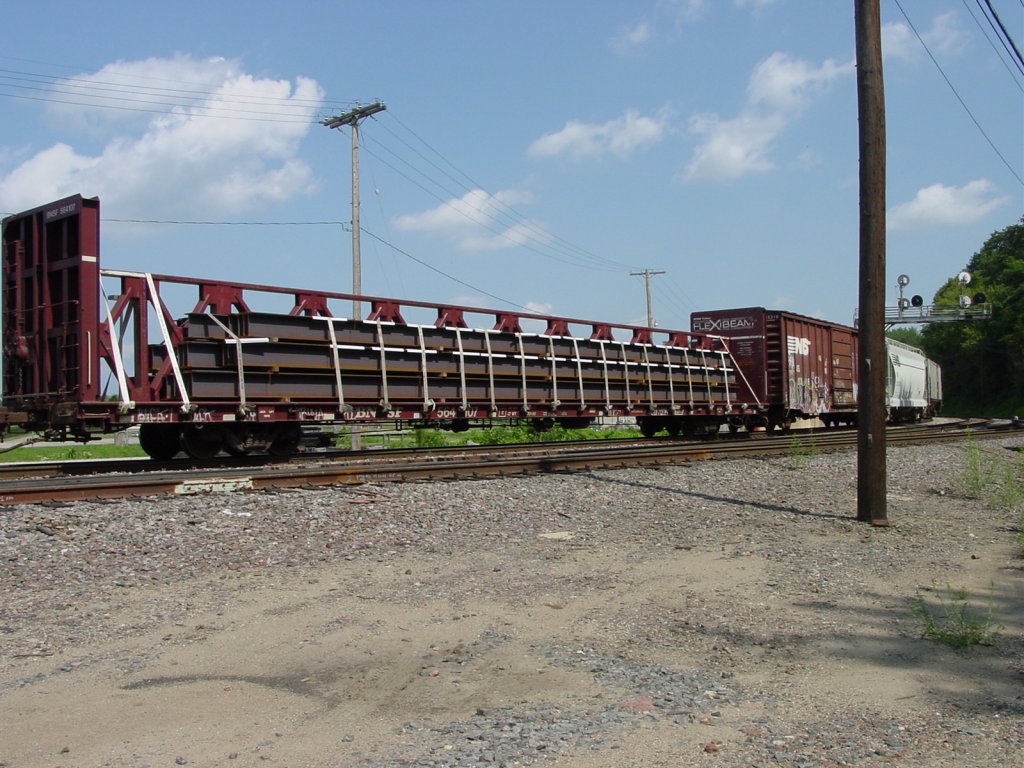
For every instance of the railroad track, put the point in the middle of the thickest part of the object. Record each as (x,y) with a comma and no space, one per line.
(66,481)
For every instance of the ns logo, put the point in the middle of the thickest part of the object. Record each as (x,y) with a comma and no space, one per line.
(797,345)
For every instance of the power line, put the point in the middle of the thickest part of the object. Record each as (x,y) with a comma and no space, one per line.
(224,223)
(193,105)
(105,86)
(958,97)
(479,221)
(1005,34)
(992,45)
(443,273)
(136,77)
(200,102)
(518,216)
(190,114)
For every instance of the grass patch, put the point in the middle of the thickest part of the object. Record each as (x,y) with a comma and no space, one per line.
(952,621)
(71,452)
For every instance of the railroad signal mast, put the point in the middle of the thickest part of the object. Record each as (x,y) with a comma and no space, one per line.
(914,311)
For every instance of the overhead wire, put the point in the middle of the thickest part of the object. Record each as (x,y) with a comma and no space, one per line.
(992,45)
(153,111)
(135,96)
(1005,35)
(101,87)
(480,220)
(101,94)
(959,98)
(441,272)
(201,90)
(517,215)
(543,242)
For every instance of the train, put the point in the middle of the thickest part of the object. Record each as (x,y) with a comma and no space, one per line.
(245,368)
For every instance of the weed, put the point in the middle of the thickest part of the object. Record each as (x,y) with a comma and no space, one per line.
(953,622)
(1010,492)
(1020,530)
(801,451)
(978,471)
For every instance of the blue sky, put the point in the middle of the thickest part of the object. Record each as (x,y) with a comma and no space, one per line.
(532,154)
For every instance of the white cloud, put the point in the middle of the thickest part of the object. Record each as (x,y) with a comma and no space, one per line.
(221,141)
(631,38)
(945,37)
(684,11)
(477,222)
(783,84)
(780,89)
(946,206)
(620,137)
(898,42)
(732,148)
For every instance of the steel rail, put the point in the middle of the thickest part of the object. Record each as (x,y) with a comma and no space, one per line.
(379,468)
(60,467)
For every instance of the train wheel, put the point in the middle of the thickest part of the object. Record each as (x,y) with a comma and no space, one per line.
(235,442)
(286,441)
(159,441)
(201,442)
(648,427)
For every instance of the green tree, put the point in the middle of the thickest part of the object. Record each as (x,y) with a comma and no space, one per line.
(983,361)
(911,336)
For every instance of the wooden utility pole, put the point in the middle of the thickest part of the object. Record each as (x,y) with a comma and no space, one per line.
(647,274)
(353,118)
(871,480)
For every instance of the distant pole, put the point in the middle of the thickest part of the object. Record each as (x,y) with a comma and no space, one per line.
(353,119)
(871,481)
(647,274)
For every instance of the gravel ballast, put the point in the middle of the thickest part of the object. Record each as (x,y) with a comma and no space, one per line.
(725,613)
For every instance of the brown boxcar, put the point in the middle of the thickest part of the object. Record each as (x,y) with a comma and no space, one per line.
(797,367)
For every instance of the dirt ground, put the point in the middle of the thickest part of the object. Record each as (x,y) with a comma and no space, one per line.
(369,660)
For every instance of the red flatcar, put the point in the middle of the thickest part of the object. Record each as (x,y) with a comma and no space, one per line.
(223,376)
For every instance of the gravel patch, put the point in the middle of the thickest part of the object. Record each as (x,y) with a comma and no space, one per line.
(712,673)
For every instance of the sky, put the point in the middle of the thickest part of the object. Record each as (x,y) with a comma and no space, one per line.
(532,155)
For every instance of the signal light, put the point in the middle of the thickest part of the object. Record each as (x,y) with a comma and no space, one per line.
(917,301)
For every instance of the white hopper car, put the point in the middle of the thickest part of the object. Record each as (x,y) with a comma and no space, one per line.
(913,383)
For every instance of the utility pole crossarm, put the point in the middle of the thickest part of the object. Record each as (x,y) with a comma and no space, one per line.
(352,117)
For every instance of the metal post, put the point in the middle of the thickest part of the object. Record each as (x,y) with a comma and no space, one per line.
(871,480)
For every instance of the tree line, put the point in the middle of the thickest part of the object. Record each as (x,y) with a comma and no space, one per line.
(982,360)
